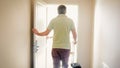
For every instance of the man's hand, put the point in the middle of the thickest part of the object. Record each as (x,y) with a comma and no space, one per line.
(35,31)
(74,36)
(45,33)
(74,42)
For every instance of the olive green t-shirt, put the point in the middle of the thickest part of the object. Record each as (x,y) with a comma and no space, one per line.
(62,25)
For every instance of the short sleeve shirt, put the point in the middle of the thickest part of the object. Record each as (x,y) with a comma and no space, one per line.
(62,25)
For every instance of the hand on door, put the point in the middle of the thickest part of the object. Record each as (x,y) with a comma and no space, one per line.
(35,31)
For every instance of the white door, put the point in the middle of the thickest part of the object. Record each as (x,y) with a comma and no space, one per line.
(39,42)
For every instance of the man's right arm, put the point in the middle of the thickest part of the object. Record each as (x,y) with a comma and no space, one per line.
(45,33)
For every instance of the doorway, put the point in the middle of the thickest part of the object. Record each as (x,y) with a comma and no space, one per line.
(42,46)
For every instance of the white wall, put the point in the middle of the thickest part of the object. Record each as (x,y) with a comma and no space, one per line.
(107,33)
(84,29)
(15,33)
(85,33)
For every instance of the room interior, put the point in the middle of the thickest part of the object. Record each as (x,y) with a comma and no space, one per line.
(98,32)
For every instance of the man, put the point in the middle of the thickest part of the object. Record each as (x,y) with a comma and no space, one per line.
(62,25)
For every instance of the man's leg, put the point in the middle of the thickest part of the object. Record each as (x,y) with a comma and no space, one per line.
(65,63)
(56,63)
(65,57)
(56,58)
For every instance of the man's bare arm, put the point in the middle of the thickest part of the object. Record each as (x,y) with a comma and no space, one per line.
(45,33)
(74,35)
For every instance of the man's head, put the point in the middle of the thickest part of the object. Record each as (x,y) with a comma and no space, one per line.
(61,9)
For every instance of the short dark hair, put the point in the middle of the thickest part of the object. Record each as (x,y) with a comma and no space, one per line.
(62,9)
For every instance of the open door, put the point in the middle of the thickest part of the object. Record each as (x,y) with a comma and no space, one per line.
(42,47)
(39,42)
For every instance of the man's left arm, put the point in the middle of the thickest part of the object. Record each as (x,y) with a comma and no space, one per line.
(74,33)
